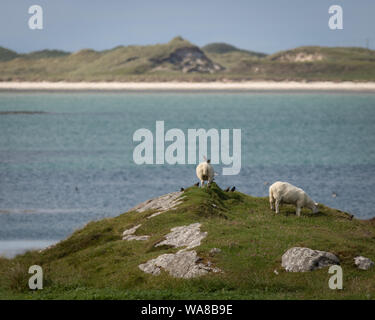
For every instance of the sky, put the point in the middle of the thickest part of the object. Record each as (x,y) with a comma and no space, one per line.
(260,25)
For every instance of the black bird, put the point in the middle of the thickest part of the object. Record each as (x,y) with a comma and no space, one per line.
(76,188)
(182,189)
(227,189)
(197,184)
(233,189)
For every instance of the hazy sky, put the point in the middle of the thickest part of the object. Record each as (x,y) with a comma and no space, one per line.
(259,25)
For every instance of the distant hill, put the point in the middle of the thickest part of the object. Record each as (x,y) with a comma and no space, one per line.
(222,48)
(313,54)
(6,54)
(46,54)
(180,60)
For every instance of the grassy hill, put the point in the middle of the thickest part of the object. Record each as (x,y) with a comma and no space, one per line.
(180,60)
(95,263)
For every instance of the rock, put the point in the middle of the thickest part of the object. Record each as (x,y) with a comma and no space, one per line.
(214,251)
(133,237)
(183,264)
(363,263)
(129,234)
(299,259)
(190,59)
(131,230)
(185,236)
(163,203)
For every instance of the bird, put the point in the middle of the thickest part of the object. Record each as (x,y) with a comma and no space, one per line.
(227,189)
(76,188)
(233,189)
(182,189)
(334,195)
(197,184)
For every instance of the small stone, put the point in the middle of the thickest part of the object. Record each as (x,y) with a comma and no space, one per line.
(214,251)
(131,230)
(363,263)
(129,234)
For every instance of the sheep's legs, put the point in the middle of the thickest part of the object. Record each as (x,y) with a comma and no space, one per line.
(271,204)
(202,183)
(298,211)
(277,205)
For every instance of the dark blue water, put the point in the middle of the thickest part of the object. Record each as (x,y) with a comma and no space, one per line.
(74,163)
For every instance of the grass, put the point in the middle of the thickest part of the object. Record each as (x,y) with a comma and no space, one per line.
(94,263)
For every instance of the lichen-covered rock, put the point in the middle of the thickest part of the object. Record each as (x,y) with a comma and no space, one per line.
(161,204)
(363,263)
(183,264)
(299,259)
(129,234)
(185,236)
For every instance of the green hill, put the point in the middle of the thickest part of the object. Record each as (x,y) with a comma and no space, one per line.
(6,54)
(94,262)
(46,54)
(222,48)
(180,60)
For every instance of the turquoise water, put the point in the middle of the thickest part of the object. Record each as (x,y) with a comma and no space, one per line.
(74,163)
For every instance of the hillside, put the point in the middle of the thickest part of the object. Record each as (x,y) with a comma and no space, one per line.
(237,247)
(180,60)
(223,48)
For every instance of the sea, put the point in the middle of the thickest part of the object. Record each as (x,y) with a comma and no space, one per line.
(66,158)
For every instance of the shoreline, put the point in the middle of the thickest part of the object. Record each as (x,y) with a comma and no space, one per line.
(190,86)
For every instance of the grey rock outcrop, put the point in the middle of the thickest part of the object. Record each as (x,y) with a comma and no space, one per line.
(190,59)
(363,263)
(299,259)
(163,203)
(185,236)
(183,264)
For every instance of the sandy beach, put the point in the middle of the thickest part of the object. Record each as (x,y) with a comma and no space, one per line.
(188,86)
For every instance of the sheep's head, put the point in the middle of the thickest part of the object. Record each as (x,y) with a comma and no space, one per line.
(315,208)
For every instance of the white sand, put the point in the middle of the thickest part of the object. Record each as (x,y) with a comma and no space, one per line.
(249,85)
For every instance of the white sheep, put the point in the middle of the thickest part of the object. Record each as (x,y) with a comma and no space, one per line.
(284,192)
(205,172)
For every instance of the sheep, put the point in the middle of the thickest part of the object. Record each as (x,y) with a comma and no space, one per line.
(284,192)
(205,172)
